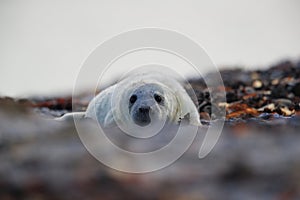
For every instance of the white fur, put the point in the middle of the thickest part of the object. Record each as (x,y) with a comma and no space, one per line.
(111,105)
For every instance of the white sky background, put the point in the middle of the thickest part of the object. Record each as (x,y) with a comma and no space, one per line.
(44,43)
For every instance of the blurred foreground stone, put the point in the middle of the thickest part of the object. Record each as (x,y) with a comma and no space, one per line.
(44,159)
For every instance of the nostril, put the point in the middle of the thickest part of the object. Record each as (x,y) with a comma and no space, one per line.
(144,109)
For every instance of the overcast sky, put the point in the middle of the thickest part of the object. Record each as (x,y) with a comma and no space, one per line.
(43,43)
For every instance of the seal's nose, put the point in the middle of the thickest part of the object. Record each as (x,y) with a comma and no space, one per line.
(142,117)
(144,109)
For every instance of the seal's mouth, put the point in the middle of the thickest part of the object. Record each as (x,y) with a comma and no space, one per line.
(142,119)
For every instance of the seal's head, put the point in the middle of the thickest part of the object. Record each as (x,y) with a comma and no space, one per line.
(147,103)
(148,100)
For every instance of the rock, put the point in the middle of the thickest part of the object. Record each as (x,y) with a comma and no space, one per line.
(275,82)
(296,89)
(283,102)
(267,108)
(257,84)
(286,111)
(279,91)
(231,96)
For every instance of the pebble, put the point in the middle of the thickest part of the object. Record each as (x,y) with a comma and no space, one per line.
(249,90)
(270,107)
(275,82)
(296,89)
(257,84)
(231,96)
(286,111)
(283,102)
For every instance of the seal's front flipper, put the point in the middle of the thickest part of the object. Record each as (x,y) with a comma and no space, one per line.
(71,116)
(188,120)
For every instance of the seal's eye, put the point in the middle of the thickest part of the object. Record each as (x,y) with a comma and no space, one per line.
(158,98)
(133,98)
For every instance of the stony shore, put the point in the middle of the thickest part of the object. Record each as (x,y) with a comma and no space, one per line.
(257,156)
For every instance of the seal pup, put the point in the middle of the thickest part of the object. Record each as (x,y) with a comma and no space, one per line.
(140,100)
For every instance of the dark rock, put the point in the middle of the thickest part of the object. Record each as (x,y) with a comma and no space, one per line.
(231,96)
(296,89)
(279,92)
